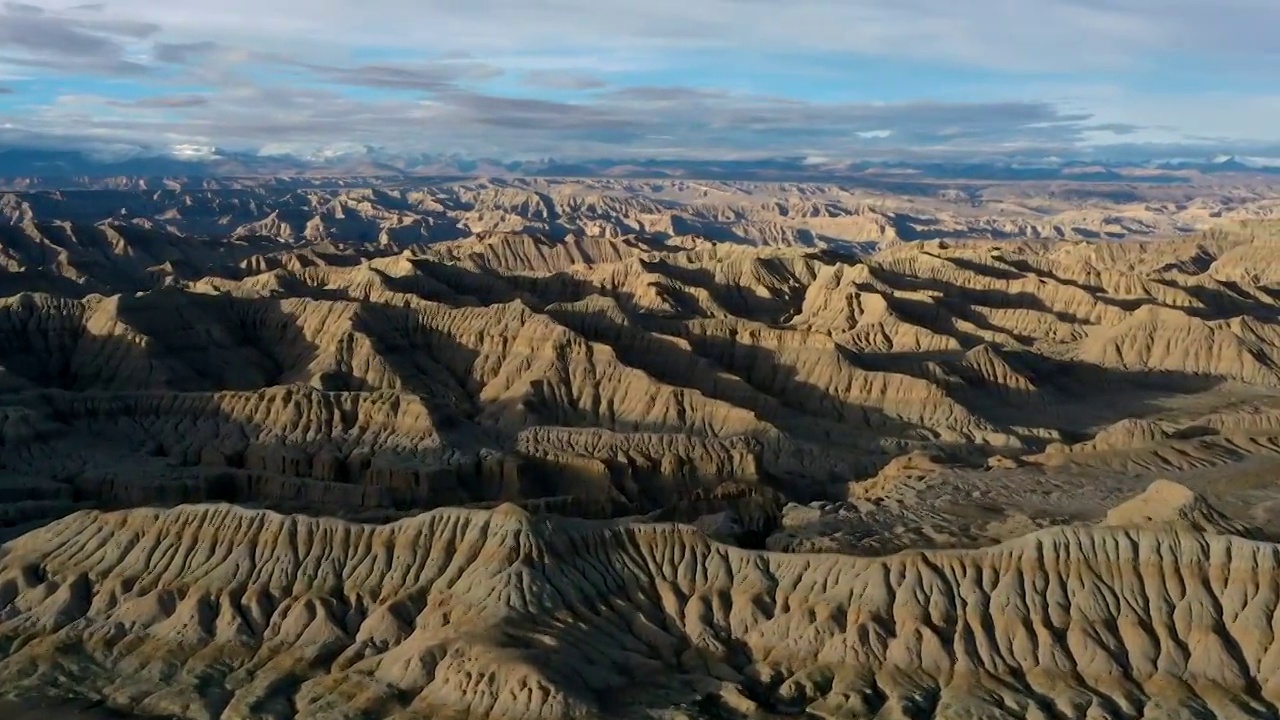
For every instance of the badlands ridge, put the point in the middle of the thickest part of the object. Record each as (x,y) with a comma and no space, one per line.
(214,611)
(566,450)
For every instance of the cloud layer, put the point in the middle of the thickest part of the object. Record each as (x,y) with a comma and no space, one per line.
(652,78)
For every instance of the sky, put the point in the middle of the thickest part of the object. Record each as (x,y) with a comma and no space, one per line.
(706,79)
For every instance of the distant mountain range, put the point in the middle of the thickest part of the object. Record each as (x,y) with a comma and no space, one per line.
(39,168)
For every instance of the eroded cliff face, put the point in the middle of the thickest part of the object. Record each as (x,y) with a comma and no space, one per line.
(932,394)
(620,375)
(215,611)
(157,224)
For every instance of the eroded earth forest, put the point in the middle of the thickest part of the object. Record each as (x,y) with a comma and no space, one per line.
(556,449)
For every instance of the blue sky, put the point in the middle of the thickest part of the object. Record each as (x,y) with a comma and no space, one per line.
(646,78)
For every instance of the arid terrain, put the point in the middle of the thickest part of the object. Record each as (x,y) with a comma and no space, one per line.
(641,449)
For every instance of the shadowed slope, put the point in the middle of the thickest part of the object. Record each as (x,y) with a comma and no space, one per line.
(640,368)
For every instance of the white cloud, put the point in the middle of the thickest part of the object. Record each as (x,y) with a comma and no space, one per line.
(623,122)
(193,152)
(399,72)
(1050,34)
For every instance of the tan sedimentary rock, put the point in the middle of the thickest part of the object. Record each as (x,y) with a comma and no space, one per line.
(500,614)
(825,365)
(702,355)
(1168,504)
